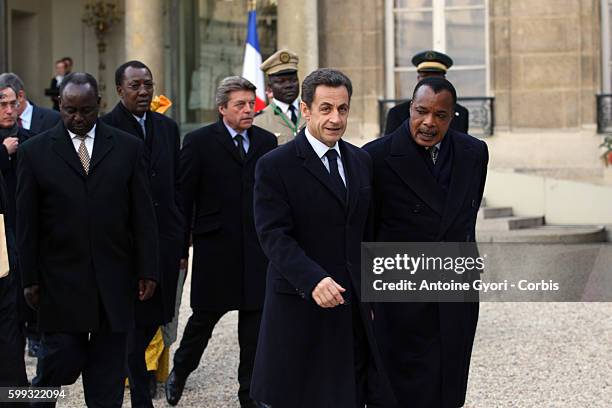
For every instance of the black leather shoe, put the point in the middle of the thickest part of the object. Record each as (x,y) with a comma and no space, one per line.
(174,388)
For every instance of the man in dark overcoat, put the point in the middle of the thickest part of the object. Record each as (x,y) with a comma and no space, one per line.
(312,199)
(134,82)
(87,243)
(229,267)
(428,185)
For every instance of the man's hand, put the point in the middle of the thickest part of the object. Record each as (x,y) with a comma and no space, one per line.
(328,293)
(31,294)
(146,288)
(11,144)
(183,264)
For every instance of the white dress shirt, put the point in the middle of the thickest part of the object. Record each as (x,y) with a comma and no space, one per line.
(26,116)
(245,138)
(321,148)
(285,107)
(89,140)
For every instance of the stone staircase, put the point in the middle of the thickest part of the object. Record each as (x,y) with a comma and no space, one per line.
(499,224)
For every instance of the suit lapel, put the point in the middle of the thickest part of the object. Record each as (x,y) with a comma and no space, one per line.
(155,141)
(36,120)
(351,175)
(315,166)
(103,143)
(63,147)
(225,139)
(464,162)
(407,163)
(254,144)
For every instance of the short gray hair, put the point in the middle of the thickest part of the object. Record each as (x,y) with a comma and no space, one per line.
(229,85)
(10,80)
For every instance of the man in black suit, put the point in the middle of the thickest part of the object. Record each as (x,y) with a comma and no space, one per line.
(134,83)
(33,118)
(428,185)
(229,267)
(12,340)
(87,240)
(312,199)
(428,64)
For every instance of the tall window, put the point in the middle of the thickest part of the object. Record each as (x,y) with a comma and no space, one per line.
(455,27)
(212,40)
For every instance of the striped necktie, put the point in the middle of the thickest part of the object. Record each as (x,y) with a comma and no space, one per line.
(83,153)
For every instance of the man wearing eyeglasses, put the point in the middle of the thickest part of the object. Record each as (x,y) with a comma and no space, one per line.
(12,337)
(132,114)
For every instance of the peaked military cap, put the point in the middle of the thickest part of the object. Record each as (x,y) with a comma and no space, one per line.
(432,61)
(281,62)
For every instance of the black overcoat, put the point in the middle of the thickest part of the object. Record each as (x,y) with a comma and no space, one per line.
(85,239)
(411,207)
(229,267)
(163,169)
(43,119)
(305,354)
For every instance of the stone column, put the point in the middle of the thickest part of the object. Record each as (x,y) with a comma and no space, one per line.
(144,36)
(298,31)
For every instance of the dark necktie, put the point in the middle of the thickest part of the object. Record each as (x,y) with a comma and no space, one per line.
(240,145)
(332,158)
(294,118)
(19,122)
(433,153)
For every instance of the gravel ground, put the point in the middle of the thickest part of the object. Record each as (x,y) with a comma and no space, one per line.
(525,355)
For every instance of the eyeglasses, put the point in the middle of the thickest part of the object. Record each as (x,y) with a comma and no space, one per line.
(13,104)
(136,87)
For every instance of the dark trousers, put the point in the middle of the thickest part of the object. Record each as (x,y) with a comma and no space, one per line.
(100,357)
(137,366)
(195,338)
(12,339)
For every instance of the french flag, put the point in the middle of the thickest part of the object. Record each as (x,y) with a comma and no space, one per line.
(252,61)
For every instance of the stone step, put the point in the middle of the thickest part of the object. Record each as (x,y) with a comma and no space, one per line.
(494,212)
(509,223)
(546,234)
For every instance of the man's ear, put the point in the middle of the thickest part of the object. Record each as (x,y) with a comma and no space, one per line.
(119,91)
(305,110)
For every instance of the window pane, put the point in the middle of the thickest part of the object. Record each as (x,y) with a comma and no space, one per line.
(404,84)
(454,3)
(413,33)
(465,36)
(470,82)
(412,3)
(213,46)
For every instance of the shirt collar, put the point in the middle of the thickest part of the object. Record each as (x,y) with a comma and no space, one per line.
(138,119)
(319,147)
(284,107)
(27,112)
(232,132)
(91,133)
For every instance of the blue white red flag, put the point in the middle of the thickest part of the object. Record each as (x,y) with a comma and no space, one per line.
(252,61)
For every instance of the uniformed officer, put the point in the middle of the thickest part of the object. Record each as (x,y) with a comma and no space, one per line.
(282,116)
(428,63)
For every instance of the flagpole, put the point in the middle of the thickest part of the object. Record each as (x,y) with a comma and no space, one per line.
(251,4)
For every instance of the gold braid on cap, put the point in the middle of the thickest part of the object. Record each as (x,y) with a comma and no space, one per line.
(431,64)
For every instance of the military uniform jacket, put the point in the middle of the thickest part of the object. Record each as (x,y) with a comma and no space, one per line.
(275,121)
